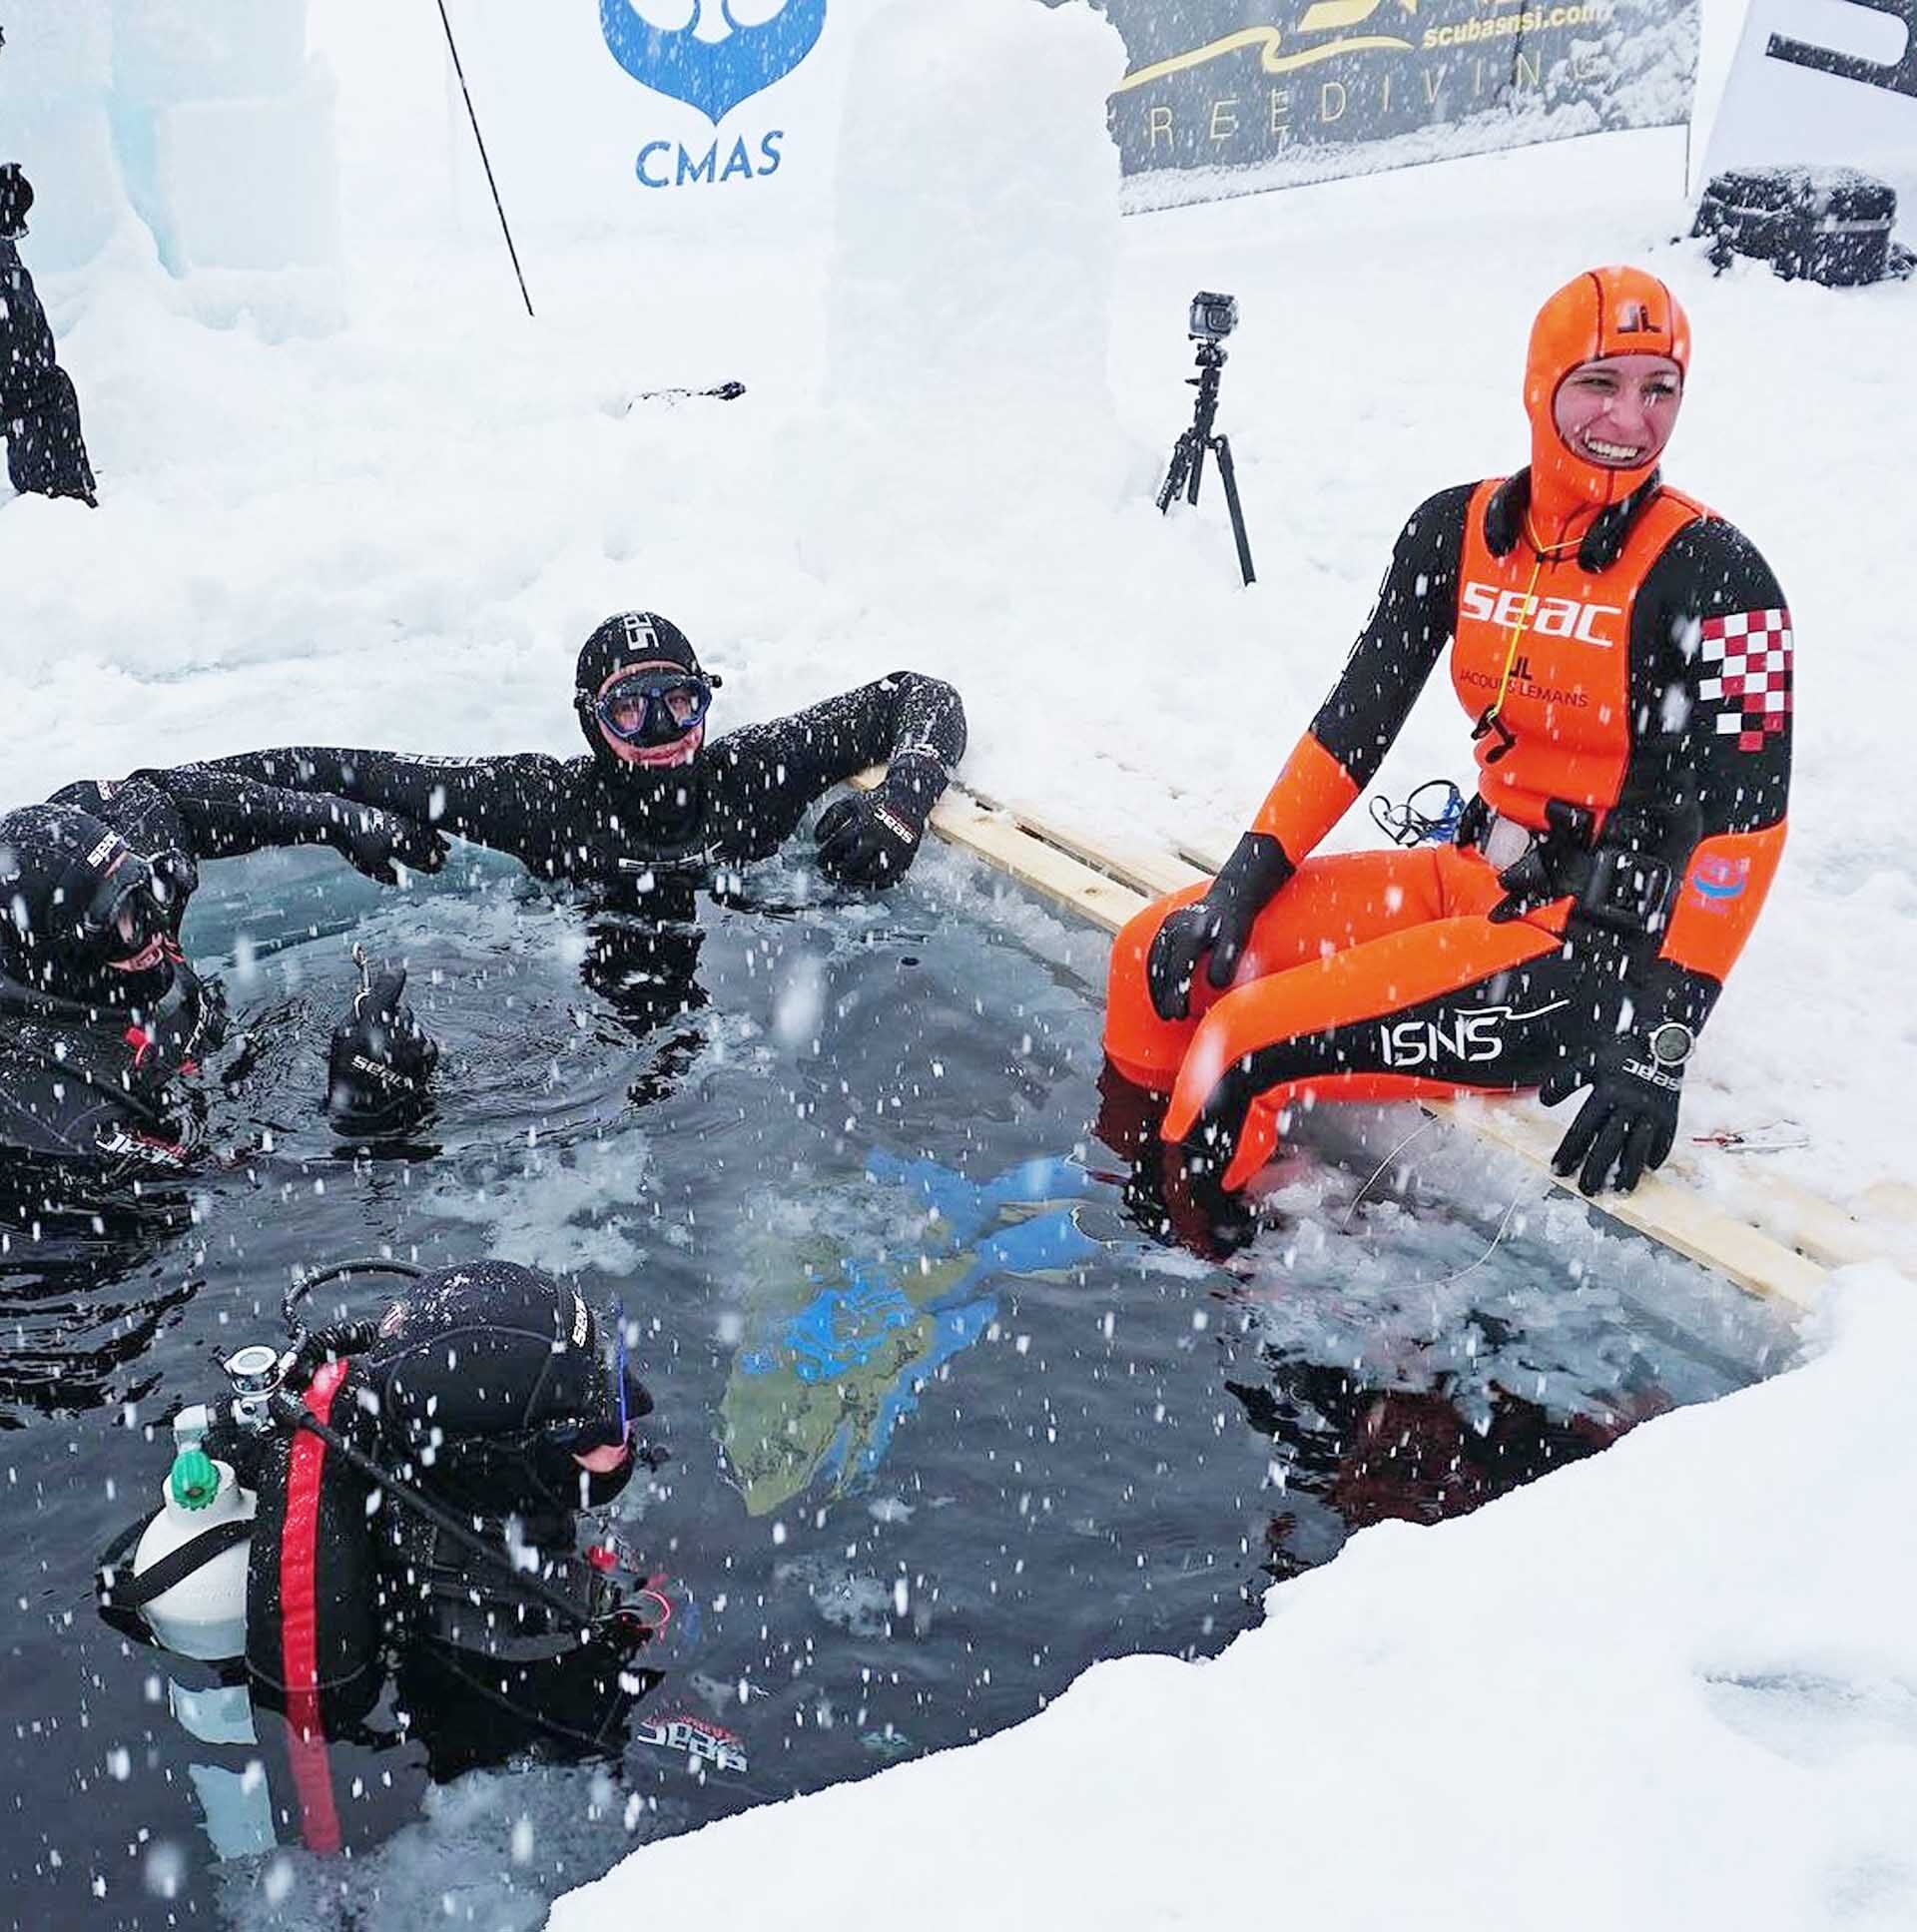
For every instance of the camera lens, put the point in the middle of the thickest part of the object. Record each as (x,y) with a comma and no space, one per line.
(1213,317)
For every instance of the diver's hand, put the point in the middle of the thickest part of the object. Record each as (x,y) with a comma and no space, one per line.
(380,1062)
(376,841)
(1219,924)
(1629,1119)
(870,839)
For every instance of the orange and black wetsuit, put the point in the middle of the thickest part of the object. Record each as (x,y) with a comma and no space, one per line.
(1625,656)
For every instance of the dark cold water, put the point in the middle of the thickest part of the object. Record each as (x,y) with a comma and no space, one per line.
(945,1429)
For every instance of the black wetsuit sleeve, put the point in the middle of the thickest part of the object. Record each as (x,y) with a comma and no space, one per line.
(771,774)
(1403,639)
(143,813)
(1411,622)
(35,1121)
(1713,709)
(507,803)
(219,815)
(47,1112)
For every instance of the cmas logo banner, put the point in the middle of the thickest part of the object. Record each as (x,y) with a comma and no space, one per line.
(713,72)
(1227,96)
(714,76)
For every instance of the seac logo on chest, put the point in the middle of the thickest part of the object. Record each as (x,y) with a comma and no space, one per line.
(1569,617)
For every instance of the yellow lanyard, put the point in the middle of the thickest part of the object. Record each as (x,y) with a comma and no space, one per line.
(1519,625)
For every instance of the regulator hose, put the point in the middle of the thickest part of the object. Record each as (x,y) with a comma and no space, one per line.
(294,1414)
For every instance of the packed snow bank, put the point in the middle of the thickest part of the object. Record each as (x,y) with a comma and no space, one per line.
(202,118)
(1674,1685)
(967,306)
(983,274)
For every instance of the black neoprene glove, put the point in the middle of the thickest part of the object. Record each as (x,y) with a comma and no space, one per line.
(1629,1119)
(382,1059)
(373,841)
(1218,924)
(872,838)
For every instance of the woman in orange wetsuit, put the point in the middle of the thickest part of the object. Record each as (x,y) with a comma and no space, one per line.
(1625,658)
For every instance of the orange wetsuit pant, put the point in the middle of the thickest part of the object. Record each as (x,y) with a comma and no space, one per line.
(1371,975)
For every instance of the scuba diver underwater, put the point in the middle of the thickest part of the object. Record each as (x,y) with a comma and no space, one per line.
(420,1504)
(1625,655)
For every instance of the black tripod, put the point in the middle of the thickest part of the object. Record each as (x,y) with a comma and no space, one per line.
(1188,454)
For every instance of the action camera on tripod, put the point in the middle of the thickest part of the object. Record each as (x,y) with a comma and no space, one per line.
(1212,319)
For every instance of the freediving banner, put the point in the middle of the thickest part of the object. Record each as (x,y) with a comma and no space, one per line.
(1226,97)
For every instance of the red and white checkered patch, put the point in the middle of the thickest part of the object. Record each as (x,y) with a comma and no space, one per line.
(1747,674)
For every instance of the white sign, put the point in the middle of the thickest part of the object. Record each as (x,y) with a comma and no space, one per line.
(1829,82)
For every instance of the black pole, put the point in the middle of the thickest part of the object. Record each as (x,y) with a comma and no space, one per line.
(453,48)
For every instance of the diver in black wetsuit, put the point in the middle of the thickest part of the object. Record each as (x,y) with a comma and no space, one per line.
(494,1418)
(39,411)
(654,811)
(100,1016)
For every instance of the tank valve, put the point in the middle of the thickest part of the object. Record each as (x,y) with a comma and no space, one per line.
(256,1373)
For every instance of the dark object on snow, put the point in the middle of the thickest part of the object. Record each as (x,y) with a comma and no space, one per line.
(1827,225)
(724,392)
(1212,317)
(380,1068)
(46,453)
(16,200)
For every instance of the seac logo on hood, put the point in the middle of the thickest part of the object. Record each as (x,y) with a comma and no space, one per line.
(713,76)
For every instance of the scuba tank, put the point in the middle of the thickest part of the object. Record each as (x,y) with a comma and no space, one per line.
(183,1590)
(201,1537)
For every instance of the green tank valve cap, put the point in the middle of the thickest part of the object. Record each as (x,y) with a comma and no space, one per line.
(194,1481)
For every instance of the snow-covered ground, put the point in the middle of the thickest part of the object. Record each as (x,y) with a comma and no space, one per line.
(1677,1685)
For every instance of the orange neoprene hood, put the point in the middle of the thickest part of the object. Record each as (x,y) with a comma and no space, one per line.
(1605,312)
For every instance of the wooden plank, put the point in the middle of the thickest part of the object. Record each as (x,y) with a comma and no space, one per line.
(1660,1206)
(1109,888)
(1205,853)
(1143,868)
(999,842)
(1834,1235)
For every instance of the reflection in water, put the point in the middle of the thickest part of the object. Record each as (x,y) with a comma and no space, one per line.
(1354,1454)
(73,1320)
(646,971)
(824,1386)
